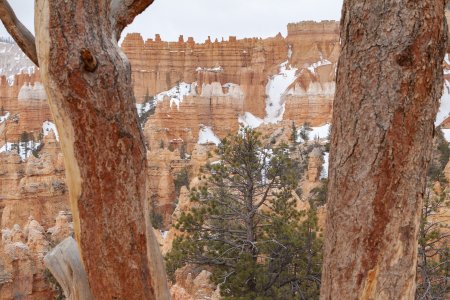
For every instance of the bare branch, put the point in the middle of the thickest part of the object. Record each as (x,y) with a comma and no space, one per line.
(123,13)
(23,37)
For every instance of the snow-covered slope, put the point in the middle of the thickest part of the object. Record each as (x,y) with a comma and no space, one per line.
(13,61)
(206,136)
(275,88)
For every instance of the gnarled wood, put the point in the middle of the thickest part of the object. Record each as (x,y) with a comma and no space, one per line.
(389,82)
(123,13)
(23,37)
(64,262)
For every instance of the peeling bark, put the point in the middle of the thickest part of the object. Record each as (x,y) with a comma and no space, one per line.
(389,82)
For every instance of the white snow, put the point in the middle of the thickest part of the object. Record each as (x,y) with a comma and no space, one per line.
(23,149)
(176,94)
(249,120)
(447,61)
(47,126)
(5,117)
(324,172)
(206,136)
(217,69)
(145,107)
(444,109)
(322,62)
(275,89)
(164,234)
(320,132)
(446,133)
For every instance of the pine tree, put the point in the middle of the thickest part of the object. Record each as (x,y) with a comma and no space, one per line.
(245,226)
(433,265)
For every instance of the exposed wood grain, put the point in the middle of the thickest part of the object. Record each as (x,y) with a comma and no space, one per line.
(65,263)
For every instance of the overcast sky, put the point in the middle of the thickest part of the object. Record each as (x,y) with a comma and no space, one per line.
(217,18)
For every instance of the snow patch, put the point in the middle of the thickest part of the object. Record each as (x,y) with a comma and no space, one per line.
(446,133)
(249,120)
(444,108)
(145,107)
(324,172)
(275,89)
(447,61)
(23,149)
(320,132)
(47,127)
(207,136)
(322,62)
(176,94)
(4,117)
(217,69)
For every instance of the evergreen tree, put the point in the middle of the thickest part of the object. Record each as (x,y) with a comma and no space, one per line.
(245,226)
(294,133)
(433,261)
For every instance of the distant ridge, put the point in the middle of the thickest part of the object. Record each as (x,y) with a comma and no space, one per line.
(6,39)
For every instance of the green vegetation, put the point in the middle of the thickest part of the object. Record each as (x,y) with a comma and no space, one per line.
(54,285)
(304,131)
(318,195)
(245,227)
(441,154)
(155,217)
(433,265)
(182,179)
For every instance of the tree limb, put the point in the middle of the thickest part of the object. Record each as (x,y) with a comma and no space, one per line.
(123,13)
(23,37)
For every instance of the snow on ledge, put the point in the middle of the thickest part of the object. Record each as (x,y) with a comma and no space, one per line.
(217,69)
(5,117)
(207,136)
(47,127)
(444,108)
(320,132)
(176,94)
(275,89)
(324,172)
(249,120)
(323,62)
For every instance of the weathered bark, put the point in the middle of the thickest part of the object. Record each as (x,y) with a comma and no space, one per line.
(64,261)
(389,82)
(88,83)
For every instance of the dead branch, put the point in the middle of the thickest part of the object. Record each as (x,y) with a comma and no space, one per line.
(123,13)
(23,37)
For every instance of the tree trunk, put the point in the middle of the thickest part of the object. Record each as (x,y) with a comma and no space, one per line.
(389,82)
(88,83)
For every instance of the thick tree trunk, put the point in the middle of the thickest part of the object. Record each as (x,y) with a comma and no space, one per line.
(88,83)
(389,82)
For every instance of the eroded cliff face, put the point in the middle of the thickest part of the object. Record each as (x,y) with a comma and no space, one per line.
(192,95)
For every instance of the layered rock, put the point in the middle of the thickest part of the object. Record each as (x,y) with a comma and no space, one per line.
(22,271)
(26,102)
(34,187)
(248,63)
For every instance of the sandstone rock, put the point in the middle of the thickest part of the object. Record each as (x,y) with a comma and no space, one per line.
(192,283)
(21,255)
(314,165)
(63,227)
